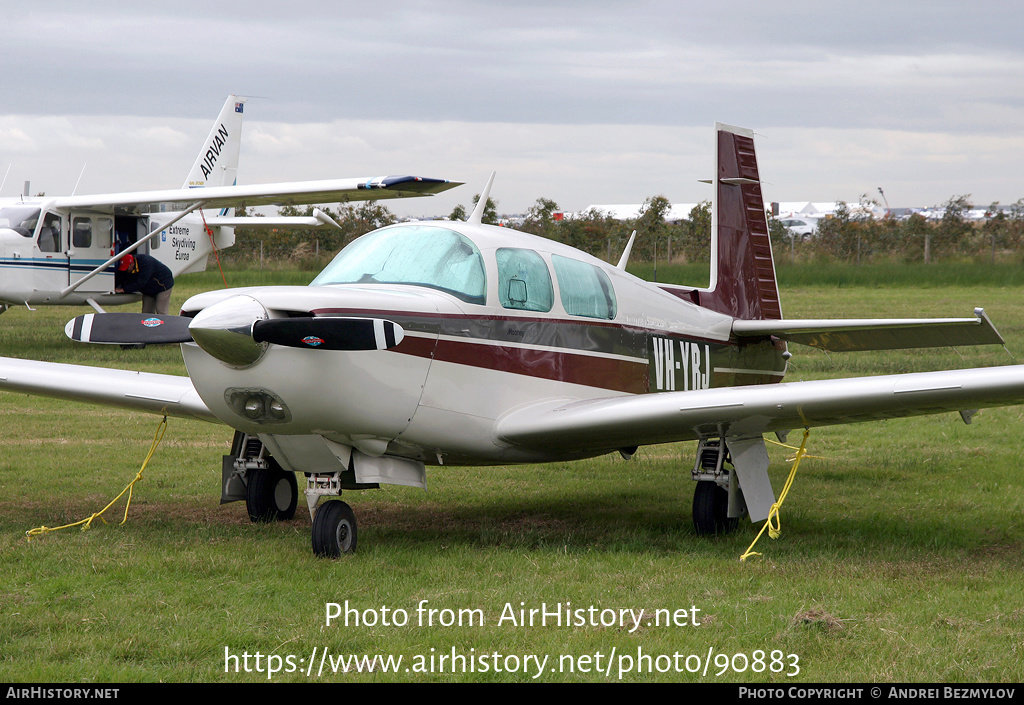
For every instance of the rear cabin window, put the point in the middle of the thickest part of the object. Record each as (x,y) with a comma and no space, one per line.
(81,233)
(585,289)
(420,255)
(524,282)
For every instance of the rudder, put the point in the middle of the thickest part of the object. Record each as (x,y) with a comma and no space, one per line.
(743,283)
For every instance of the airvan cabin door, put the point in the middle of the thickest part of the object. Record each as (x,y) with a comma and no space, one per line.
(91,244)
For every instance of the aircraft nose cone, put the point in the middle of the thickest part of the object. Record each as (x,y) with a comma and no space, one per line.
(224,330)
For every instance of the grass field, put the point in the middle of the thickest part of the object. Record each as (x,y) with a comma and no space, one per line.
(900,557)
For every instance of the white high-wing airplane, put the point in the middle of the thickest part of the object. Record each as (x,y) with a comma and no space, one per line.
(464,344)
(62,250)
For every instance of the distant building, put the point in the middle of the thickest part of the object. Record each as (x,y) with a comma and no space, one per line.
(631,211)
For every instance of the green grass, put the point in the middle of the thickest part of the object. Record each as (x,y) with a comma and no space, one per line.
(900,557)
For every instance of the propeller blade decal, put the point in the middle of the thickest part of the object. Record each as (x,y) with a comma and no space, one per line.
(329,333)
(129,329)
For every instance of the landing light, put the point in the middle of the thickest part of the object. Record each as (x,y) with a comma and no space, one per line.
(258,405)
(254,407)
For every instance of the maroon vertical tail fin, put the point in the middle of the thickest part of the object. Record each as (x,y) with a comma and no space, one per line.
(742,268)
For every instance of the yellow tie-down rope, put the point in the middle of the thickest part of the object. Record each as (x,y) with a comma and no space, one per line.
(87,522)
(775,528)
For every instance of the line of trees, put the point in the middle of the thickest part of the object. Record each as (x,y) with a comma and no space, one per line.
(852,237)
(849,235)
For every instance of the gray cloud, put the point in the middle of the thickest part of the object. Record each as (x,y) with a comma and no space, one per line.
(594,100)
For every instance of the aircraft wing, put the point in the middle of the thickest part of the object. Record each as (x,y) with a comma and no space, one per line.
(876,334)
(281,194)
(141,391)
(624,422)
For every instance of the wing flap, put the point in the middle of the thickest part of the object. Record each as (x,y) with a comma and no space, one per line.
(140,391)
(607,424)
(876,334)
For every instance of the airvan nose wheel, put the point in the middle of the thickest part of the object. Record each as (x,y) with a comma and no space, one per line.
(334,529)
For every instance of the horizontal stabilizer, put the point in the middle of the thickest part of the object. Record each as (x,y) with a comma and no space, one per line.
(129,329)
(268,223)
(316,220)
(876,334)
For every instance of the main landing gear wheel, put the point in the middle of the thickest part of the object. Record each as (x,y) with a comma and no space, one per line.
(271,494)
(334,529)
(711,510)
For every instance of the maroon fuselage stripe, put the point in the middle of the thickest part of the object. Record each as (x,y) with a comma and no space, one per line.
(604,365)
(589,370)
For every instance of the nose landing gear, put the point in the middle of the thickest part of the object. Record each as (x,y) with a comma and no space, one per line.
(334,529)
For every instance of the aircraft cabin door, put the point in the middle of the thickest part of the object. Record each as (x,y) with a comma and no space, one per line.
(92,241)
(50,259)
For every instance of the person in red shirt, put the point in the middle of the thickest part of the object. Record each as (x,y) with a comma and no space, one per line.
(148,276)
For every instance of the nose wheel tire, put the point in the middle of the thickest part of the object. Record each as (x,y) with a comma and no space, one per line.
(271,494)
(334,529)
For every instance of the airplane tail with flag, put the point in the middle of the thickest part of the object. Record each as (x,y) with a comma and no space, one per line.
(743,281)
(217,163)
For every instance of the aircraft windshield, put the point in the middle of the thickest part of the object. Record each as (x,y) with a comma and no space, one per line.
(20,219)
(422,255)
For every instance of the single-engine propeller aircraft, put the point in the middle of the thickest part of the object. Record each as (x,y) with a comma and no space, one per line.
(63,250)
(464,344)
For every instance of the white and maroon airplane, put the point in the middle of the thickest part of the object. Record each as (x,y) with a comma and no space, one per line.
(463,344)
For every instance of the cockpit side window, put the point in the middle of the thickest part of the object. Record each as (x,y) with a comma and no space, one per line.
(524,282)
(49,234)
(421,255)
(20,219)
(585,289)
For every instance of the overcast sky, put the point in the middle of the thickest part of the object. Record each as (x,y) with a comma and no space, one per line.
(580,102)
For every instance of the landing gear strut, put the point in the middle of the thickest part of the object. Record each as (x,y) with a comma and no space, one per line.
(334,522)
(715,484)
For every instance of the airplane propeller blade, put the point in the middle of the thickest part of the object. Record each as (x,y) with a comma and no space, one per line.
(238,330)
(236,342)
(329,333)
(129,329)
